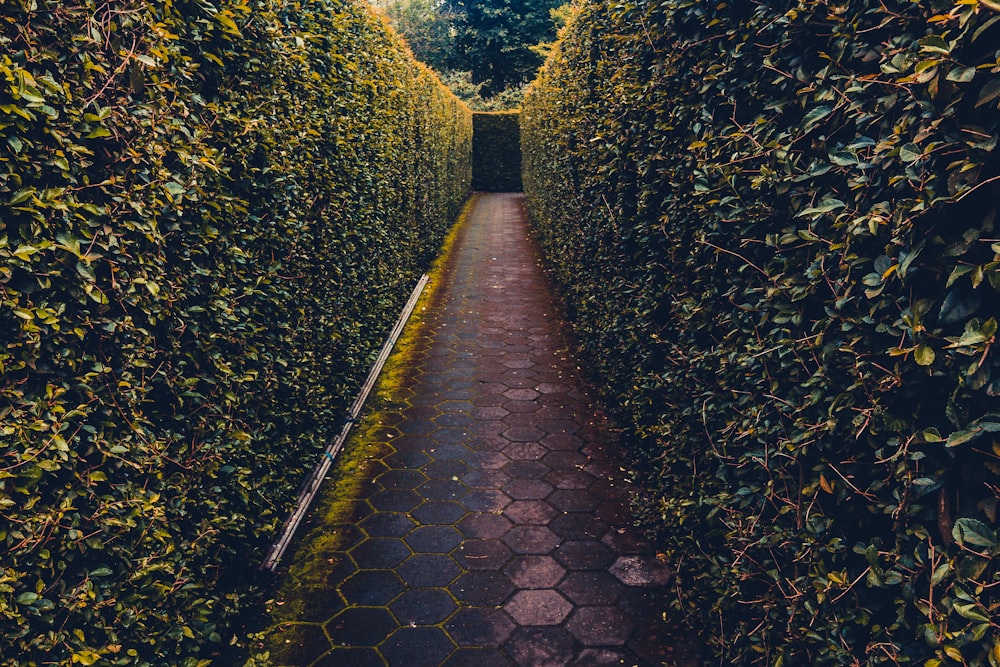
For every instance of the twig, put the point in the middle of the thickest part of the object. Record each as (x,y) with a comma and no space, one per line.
(736,254)
(974,188)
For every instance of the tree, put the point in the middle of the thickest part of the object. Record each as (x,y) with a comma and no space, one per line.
(428,27)
(496,40)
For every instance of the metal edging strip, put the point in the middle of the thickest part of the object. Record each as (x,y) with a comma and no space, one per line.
(311,487)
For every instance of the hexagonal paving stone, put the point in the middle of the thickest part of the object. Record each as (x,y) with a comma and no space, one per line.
(457,393)
(455,407)
(489,412)
(535,571)
(530,512)
(387,524)
(481,588)
(433,539)
(485,479)
(387,418)
(562,441)
(564,460)
(574,500)
(487,460)
(516,378)
(439,512)
(420,413)
(591,587)
(538,607)
(442,489)
(446,448)
(527,489)
(521,394)
(380,552)
(446,469)
(488,393)
(455,420)
(372,468)
(360,510)
(517,408)
(524,434)
(484,435)
(371,588)
(526,413)
(395,500)
(584,555)
(485,500)
(570,479)
(531,540)
(527,451)
(577,526)
(479,626)
(526,469)
(423,606)
(634,570)
(400,479)
(599,626)
(556,425)
(484,525)
(428,570)
(487,389)
(483,554)
(319,603)
(361,626)
(347,535)
(415,428)
(341,567)
(541,646)
(417,647)
(454,436)
(407,459)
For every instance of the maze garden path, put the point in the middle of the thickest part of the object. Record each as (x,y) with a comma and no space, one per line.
(494,530)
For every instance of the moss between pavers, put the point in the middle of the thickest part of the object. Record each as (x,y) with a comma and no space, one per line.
(296,636)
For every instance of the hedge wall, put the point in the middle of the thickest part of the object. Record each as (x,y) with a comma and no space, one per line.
(210,214)
(496,151)
(776,227)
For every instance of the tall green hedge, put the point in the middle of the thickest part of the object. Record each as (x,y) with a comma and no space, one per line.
(210,214)
(496,151)
(775,225)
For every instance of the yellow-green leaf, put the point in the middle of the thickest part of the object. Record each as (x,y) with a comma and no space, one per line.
(924,355)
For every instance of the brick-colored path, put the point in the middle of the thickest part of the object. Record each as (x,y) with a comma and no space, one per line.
(494,532)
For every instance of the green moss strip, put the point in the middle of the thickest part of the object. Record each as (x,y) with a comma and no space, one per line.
(311,576)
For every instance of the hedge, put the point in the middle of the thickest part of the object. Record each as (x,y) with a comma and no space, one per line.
(210,214)
(775,227)
(496,151)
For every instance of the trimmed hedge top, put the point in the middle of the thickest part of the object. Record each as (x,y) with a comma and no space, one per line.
(496,151)
(210,214)
(775,224)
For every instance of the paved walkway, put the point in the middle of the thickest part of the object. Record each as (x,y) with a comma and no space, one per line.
(494,532)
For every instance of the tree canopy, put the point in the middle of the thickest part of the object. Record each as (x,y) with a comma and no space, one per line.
(486,50)
(498,40)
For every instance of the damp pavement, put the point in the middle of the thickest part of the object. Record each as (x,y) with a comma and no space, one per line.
(495,529)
